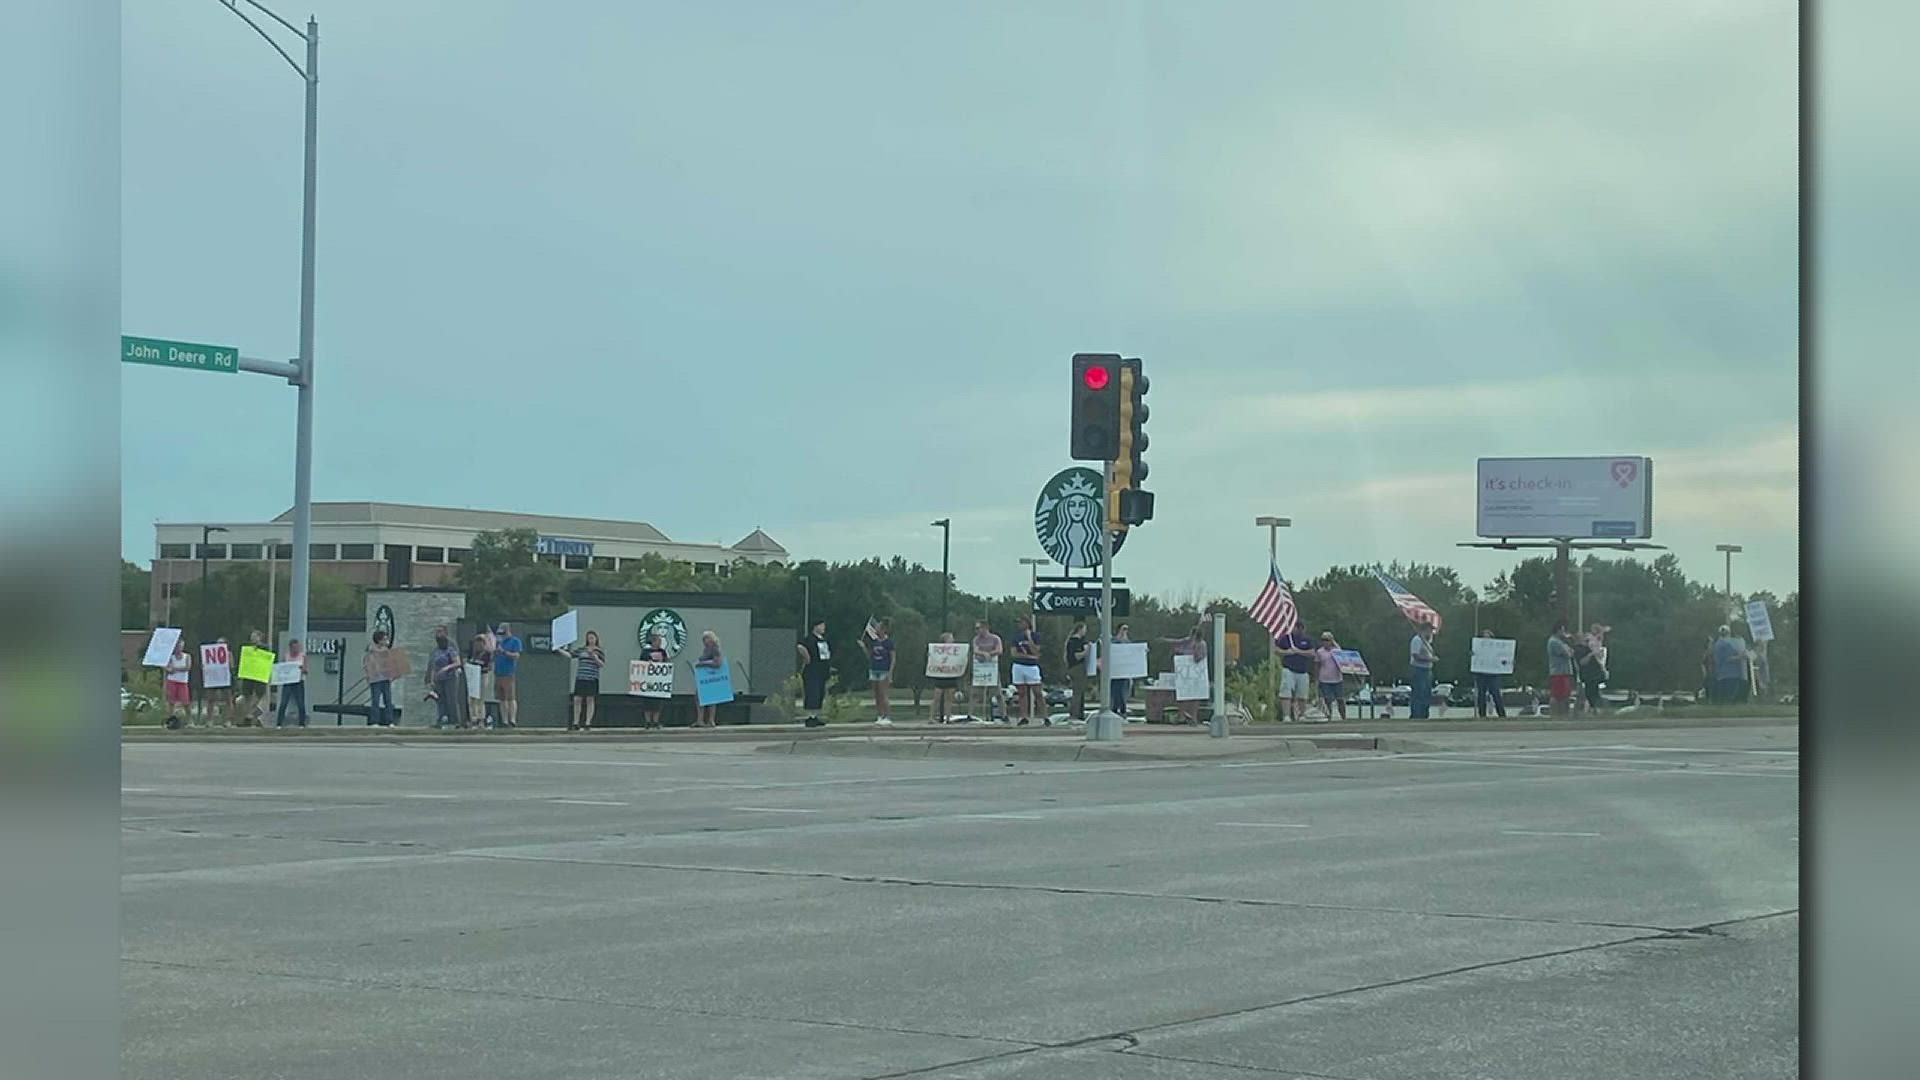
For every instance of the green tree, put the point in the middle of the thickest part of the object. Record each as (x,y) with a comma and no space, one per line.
(136,584)
(232,602)
(504,578)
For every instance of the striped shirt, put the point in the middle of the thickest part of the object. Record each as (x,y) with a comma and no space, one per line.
(591,660)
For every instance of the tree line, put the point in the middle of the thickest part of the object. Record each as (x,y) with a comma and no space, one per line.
(1660,619)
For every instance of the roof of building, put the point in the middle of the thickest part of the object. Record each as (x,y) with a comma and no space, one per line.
(758,541)
(487,520)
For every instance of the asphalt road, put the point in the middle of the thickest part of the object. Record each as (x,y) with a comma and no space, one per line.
(1592,904)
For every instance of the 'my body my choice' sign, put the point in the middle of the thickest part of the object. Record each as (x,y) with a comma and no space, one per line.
(1565,498)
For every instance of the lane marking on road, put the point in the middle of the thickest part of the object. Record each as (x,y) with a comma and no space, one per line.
(136,790)
(424,795)
(1001,817)
(583,761)
(263,794)
(772,810)
(1261,825)
(587,802)
(1544,832)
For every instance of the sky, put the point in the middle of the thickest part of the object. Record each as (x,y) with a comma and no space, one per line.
(819,267)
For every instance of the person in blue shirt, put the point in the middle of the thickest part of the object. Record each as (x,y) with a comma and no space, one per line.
(1296,675)
(506,664)
(1729,667)
(880,672)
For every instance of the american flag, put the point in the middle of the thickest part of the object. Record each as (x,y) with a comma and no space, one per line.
(872,632)
(1273,608)
(1415,609)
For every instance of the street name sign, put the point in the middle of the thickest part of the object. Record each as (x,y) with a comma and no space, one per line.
(1053,600)
(180,354)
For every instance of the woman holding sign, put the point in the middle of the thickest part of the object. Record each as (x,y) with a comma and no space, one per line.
(654,653)
(710,657)
(179,685)
(294,689)
(945,683)
(588,659)
(216,679)
(377,666)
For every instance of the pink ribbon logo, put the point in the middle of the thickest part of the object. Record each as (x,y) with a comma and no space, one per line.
(1624,471)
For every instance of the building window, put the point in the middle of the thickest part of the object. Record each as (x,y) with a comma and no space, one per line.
(247,551)
(550,560)
(176,551)
(323,552)
(604,562)
(283,551)
(210,551)
(360,552)
(726,569)
(458,555)
(703,568)
(429,554)
(575,562)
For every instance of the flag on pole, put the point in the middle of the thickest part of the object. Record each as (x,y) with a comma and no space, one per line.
(872,632)
(1416,610)
(1273,608)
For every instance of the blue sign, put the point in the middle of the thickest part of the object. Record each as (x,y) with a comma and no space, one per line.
(714,685)
(553,545)
(1615,528)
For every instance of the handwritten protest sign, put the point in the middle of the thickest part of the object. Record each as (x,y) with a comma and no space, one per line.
(1759,621)
(713,685)
(256,665)
(947,660)
(1351,662)
(160,646)
(986,673)
(473,679)
(284,674)
(216,666)
(649,678)
(1189,677)
(1492,656)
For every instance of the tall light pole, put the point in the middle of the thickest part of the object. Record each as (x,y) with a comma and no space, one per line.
(1033,573)
(946,545)
(1580,597)
(302,376)
(806,604)
(205,532)
(1729,550)
(1273,526)
(273,582)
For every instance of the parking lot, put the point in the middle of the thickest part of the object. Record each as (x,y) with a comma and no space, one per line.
(1587,904)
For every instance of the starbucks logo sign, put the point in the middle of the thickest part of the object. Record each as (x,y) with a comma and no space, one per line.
(669,625)
(383,620)
(1069,516)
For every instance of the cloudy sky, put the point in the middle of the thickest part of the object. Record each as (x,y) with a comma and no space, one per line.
(819,267)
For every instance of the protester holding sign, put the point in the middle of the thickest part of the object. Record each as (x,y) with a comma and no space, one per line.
(256,667)
(987,648)
(1590,664)
(377,666)
(588,659)
(179,684)
(1559,670)
(712,659)
(946,661)
(294,692)
(816,663)
(1333,681)
(443,673)
(880,670)
(216,679)
(1486,684)
(1026,670)
(1193,680)
(654,653)
(1420,664)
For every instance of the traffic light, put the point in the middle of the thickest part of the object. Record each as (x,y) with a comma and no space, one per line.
(1127,503)
(1096,407)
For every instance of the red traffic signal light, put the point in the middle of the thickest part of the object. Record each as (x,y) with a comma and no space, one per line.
(1097,377)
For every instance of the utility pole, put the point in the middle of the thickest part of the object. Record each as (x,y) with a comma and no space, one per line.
(946,544)
(1580,593)
(1729,550)
(806,604)
(273,576)
(205,532)
(1106,725)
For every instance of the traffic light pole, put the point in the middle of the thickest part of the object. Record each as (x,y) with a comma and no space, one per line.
(1106,725)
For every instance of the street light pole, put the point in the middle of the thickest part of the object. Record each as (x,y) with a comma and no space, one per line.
(806,604)
(1273,526)
(1729,550)
(205,532)
(302,378)
(1033,573)
(946,544)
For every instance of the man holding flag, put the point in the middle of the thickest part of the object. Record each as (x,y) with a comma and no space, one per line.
(1420,655)
(1274,609)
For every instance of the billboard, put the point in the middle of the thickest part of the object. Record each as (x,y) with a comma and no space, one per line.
(1568,498)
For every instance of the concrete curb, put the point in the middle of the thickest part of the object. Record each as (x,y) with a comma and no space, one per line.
(1075,749)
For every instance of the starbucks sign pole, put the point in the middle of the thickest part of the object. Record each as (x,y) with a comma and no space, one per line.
(1107,725)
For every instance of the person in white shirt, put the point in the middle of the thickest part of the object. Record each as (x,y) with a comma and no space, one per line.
(179,685)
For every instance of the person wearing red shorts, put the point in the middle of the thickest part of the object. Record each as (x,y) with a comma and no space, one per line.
(179,685)
(1559,670)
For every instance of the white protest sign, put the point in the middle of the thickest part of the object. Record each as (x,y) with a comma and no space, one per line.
(566,629)
(160,646)
(649,678)
(1759,621)
(1492,656)
(986,673)
(1189,677)
(285,673)
(1129,660)
(216,666)
(947,660)
(473,680)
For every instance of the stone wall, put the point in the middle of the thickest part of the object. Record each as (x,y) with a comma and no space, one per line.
(416,612)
